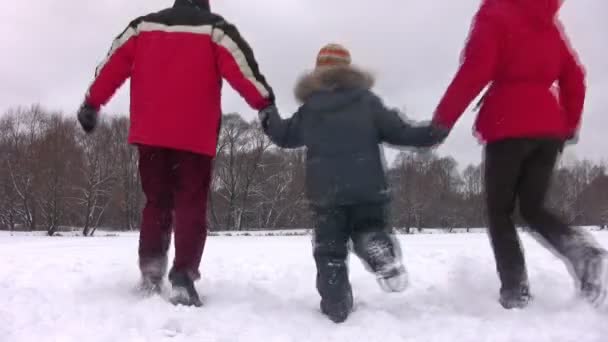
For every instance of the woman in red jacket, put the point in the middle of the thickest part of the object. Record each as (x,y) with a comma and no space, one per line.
(532,106)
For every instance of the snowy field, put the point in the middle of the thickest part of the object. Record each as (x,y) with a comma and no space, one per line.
(262,289)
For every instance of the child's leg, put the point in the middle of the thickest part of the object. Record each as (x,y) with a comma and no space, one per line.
(377,247)
(330,245)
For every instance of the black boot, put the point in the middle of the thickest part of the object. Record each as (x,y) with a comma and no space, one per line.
(338,312)
(183,291)
(150,286)
(380,252)
(591,271)
(153,271)
(335,290)
(393,279)
(330,243)
(515,298)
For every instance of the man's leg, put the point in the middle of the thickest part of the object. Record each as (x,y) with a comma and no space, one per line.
(155,235)
(193,177)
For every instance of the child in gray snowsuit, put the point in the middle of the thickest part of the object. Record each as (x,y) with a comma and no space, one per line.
(341,123)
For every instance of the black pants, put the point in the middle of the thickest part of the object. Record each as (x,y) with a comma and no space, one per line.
(521,169)
(373,242)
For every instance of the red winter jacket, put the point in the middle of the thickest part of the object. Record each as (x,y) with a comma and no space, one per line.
(537,86)
(176,60)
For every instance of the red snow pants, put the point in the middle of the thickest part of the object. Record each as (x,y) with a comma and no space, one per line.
(176,185)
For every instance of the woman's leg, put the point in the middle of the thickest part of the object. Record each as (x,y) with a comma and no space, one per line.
(503,164)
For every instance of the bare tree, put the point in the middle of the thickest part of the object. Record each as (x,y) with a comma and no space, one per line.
(279,199)
(8,195)
(593,200)
(98,174)
(127,193)
(57,163)
(52,176)
(22,161)
(240,151)
(474,196)
(406,180)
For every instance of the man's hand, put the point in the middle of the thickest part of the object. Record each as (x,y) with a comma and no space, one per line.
(265,113)
(87,116)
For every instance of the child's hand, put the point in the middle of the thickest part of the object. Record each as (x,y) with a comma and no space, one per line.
(265,113)
(438,133)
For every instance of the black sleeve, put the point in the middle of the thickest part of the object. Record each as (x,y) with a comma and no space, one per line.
(394,130)
(284,133)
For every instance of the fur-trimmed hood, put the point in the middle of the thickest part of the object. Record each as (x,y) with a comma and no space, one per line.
(330,79)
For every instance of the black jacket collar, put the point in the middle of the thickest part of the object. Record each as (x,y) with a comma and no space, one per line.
(199,4)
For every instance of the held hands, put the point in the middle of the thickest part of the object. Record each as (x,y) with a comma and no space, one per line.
(265,113)
(438,133)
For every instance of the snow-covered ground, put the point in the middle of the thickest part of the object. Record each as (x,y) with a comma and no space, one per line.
(262,289)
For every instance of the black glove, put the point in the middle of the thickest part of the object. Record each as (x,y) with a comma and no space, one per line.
(265,113)
(87,116)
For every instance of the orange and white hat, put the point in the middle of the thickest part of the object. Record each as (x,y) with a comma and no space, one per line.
(332,55)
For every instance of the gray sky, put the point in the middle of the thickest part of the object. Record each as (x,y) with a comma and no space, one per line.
(51,48)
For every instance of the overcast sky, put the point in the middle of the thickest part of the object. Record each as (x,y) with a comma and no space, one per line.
(50,49)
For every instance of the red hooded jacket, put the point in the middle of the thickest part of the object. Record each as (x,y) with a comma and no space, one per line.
(537,86)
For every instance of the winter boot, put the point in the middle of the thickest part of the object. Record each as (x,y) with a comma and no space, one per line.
(515,298)
(153,271)
(393,279)
(338,312)
(334,288)
(183,291)
(592,274)
(380,253)
(150,286)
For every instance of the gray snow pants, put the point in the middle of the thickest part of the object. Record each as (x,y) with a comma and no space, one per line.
(372,241)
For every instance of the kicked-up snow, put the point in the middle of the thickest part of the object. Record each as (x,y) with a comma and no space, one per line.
(258,288)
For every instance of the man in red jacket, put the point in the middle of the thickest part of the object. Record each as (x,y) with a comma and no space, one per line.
(532,106)
(176,60)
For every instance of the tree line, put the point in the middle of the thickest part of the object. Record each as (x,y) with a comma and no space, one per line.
(55,177)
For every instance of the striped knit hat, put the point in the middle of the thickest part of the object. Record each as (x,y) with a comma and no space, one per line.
(332,55)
